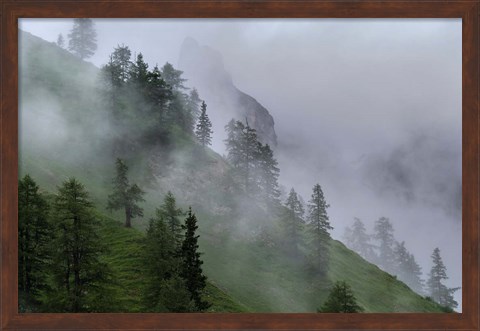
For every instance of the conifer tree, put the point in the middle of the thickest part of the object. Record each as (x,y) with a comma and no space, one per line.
(318,227)
(191,269)
(436,289)
(139,73)
(204,127)
(384,235)
(170,213)
(293,222)
(358,240)
(34,235)
(173,77)
(234,131)
(80,277)
(414,275)
(269,173)
(165,290)
(125,196)
(60,41)
(193,104)
(341,299)
(83,38)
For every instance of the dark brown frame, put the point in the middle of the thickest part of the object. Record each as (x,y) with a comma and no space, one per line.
(468,10)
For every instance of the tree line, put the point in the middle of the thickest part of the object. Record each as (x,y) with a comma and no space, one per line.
(382,249)
(60,259)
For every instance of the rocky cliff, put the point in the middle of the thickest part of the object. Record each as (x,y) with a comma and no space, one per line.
(204,69)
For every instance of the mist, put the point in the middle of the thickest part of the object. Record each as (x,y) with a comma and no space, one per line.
(368,108)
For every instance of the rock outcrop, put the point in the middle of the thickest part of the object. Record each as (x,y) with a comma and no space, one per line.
(204,69)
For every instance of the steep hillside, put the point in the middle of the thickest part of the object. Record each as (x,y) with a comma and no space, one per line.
(63,134)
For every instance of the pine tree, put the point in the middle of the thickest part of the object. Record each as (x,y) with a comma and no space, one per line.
(60,41)
(83,38)
(436,289)
(204,127)
(384,235)
(80,278)
(191,269)
(125,196)
(34,234)
(341,299)
(318,227)
(170,213)
(293,222)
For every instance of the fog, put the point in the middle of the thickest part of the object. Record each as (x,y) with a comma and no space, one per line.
(368,108)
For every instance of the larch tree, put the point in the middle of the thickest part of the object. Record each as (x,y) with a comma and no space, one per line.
(170,213)
(407,269)
(204,127)
(436,289)
(165,290)
(83,38)
(79,275)
(384,236)
(34,235)
(125,196)
(173,77)
(341,299)
(359,241)
(318,227)
(191,269)
(293,222)
(60,41)
(268,174)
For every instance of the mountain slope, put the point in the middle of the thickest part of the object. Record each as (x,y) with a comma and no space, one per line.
(61,136)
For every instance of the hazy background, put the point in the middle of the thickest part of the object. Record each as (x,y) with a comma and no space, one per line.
(369,108)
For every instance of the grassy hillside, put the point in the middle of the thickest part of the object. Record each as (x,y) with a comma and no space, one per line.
(245,273)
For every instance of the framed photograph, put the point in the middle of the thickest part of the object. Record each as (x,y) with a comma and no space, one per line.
(239,165)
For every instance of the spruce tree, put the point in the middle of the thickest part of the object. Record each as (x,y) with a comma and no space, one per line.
(191,269)
(80,278)
(170,213)
(436,289)
(204,127)
(83,38)
(34,235)
(341,299)
(125,196)
(384,236)
(319,227)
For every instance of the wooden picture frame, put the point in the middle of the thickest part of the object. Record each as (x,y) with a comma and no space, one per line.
(12,10)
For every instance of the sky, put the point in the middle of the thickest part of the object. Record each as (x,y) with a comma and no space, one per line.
(368,108)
